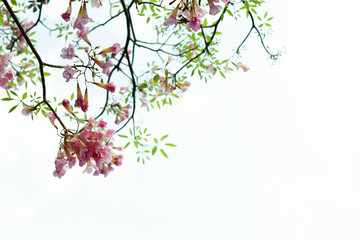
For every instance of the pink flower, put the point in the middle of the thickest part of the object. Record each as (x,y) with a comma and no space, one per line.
(173,17)
(66,105)
(122,113)
(114,49)
(80,23)
(110,86)
(92,147)
(68,53)
(117,159)
(96,3)
(52,118)
(80,101)
(105,66)
(213,8)
(4,62)
(68,73)
(225,1)
(66,15)
(183,86)
(242,66)
(4,80)
(83,18)
(194,24)
(210,69)
(60,165)
(27,110)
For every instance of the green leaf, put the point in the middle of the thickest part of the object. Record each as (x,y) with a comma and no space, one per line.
(136,144)
(123,136)
(170,144)
(46,74)
(126,145)
(24,96)
(154,150)
(13,2)
(164,137)
(155,140)
(14,93)
(163,153)
(13,108)
(131,133)
(7,99)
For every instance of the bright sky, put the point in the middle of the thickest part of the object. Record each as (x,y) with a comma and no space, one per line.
(268,154)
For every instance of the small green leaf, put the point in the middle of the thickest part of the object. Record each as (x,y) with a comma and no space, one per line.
(155,140)
(13,108)
(164,137)
(13,2)
(136,144)
(170,144)
(131,133)
(123,136)
(24,96)
(14,93)
(126,145)
(154,150)
(7,99)
(163,153)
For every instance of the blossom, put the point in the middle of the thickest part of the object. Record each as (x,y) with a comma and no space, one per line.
(109,86)
(68,53)
(173,17)
(113,49)
(4,62)
(165,87)
(96,3)
(194,24)
(80,101)
(210,69)
(51,117)
(27,110)
(66,15)
(104,65)
(183,86)
(196,14)
(67,106)
(91,147)
(80,23)
(242,66)
(122,113)
(4,80)
(213,8)
(68,73)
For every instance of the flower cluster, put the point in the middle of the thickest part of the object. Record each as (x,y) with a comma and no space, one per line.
(82,19)
(92,147)
(82,102)
(192,13)
(6,75)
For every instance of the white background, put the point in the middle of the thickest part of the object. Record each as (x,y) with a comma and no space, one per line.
(268,154)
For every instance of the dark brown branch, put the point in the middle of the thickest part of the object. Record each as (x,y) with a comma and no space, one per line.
(41,64)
